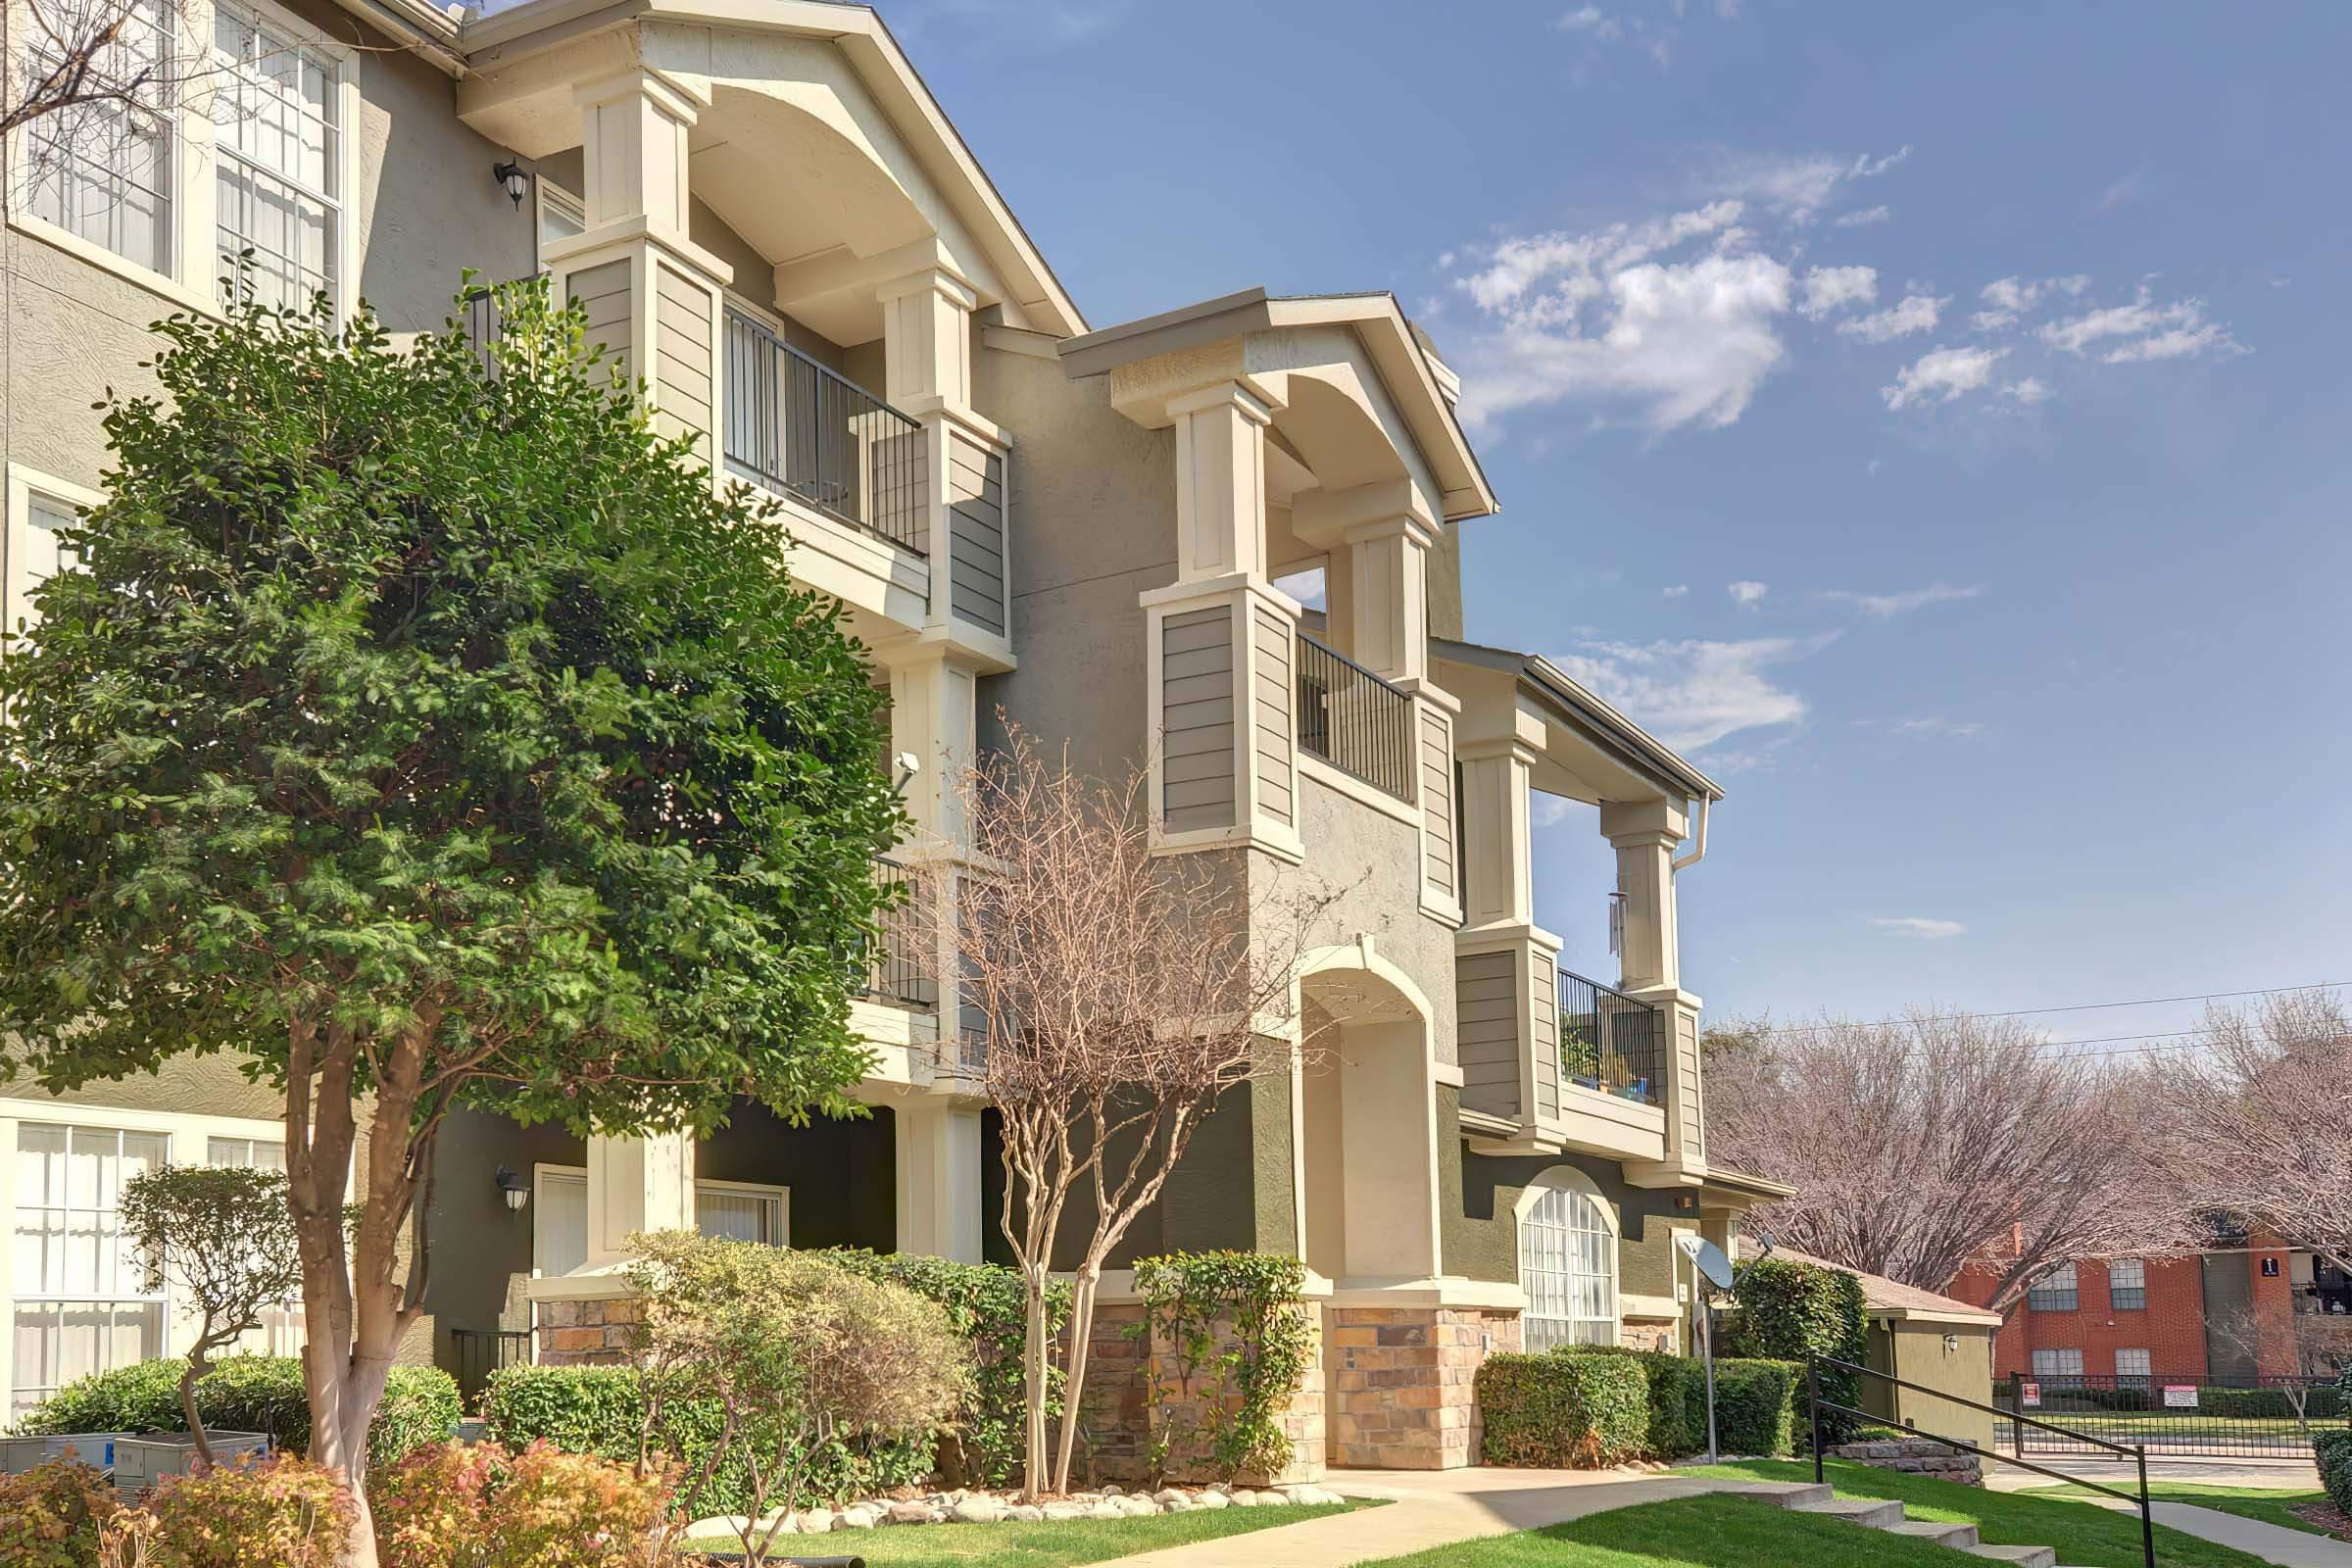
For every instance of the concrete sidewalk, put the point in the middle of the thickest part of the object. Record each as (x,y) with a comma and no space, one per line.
(1435,1510)
(2289,1548)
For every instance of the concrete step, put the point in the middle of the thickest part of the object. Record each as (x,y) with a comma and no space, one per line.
(2022,1556)
(1958,1537)
(1780,1493)
(1871,1513)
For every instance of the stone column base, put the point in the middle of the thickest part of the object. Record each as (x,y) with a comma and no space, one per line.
(1917,1456)
(1122,1422)
(584,1332)
(1403,1383)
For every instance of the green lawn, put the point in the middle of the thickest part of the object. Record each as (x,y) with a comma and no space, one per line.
(1039,1545)
(2270,1505)
(2084,1535)
(1691,1533)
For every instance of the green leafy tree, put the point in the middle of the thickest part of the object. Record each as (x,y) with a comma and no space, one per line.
(434,734)
(222,1240)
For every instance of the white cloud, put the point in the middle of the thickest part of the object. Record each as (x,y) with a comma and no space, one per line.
(2008,298)
(1918,313)
(1920,926)
(1863,217)
(2153,332)
(1832,288)
(1691,694)
(1867,167)
(1938,727)
(1588,19)
(1747,595)
(1676,589)
(1548,810)
(2028,391)
(2122,190)
(1798,188)
(1885,607)
(1941,375)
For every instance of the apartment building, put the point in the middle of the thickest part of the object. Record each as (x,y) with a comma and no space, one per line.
(1108,533)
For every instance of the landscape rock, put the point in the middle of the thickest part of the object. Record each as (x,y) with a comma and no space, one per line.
(1212,1500)
(911,1513)
(856,1517)
(976,1511)
(1065,1510)
(1025,1513)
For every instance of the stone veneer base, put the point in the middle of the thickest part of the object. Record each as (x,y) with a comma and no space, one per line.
(1402,1384)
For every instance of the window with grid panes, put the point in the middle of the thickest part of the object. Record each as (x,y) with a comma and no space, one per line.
(79,1305)
(2054,1291)
(103,169)
(1568,1268)
(277,113)
(2127,1285)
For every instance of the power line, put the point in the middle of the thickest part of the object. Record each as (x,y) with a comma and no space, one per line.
(2078,1006)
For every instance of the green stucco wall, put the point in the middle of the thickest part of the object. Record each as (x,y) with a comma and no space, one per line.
(1915,1352)
(1482,1233)
(481,1250)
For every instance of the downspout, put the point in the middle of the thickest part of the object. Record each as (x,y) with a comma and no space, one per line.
(1699,849)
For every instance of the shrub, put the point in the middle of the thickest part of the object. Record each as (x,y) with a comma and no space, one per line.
(1757,1405)
(430,1501)
(51,1515)
(2322,1403)
(1562,1411)
(282,1512)
(2332,1452)
(985,1305)
(247,1393)
(1234,1322)
(1678,1398)
(1789,1310)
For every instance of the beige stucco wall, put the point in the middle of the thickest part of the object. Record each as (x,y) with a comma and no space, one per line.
(1915,1352)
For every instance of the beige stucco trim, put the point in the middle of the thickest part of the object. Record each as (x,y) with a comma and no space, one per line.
(1355,789)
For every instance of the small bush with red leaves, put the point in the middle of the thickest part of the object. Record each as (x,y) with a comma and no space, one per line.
(479,1507)
(51,1516)
(282,1511)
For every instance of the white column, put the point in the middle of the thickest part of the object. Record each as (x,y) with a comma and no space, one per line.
(1646,834)
(1388,595)
(939,1181)
(1497,833)
(633,149)
(1221,482)
(927,339)
(637,1184)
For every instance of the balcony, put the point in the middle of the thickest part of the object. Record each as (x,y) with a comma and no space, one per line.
(1610,1042)
(895,965)
(1354,720)
(796,429)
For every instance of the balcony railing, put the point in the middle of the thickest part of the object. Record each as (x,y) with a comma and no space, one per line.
(895,963)
(1354,720)
(1609,1042)
(797,428)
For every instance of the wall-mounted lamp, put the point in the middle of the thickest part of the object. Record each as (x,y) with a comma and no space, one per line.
(515,1188)
(516,181)
(1951,1345)
(910,764)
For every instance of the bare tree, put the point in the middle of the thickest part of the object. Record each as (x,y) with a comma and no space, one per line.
(1921,1148)
(2317,1344)
(1123,996)
(2260,1120)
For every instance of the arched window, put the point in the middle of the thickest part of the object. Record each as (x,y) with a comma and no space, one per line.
(1567,1261)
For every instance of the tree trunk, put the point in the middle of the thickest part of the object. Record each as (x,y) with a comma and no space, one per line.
(1034,1476)
(198,1365)
(1082,1326)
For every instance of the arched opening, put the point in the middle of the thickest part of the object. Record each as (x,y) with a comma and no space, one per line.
(1368,1165)
(1567,1261)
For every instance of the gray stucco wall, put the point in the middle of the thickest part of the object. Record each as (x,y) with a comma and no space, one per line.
(481,1250)
(1482,1233)
(843,1175)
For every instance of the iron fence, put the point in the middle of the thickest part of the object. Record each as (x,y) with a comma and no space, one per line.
(1610,1042)
(481,1351)
(1354,720)
(894,965)
(797,427)
(2201,1413)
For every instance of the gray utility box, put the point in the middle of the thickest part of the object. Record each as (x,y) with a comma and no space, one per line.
(19,1454)
(140,1462)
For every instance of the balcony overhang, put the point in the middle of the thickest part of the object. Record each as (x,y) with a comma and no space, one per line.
(1360,401)
(817,142)
(1587,750)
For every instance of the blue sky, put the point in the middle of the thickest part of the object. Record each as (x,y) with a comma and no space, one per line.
(1933,420)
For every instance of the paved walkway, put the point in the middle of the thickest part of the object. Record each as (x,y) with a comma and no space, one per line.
(1425,1510)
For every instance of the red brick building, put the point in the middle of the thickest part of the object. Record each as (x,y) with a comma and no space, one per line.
(2148,1317)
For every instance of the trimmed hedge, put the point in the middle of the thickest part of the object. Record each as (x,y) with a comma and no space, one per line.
(1758,1406)
(248,1393)
(1678,1398)
(987,1305)
(1562,1411)
(600,1409)
(1789,1310)
(2332,1452)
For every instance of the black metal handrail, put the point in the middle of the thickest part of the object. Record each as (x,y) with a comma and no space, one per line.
(1817,1404)
(1354,720)
(482,1351)
(1610,1042)
(894,965)
(801,429)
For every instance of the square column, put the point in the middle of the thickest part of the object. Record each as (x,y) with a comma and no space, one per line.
(932,703)
(1497,833)
(927,339)
(1388,597)
(1221,660)
(637,1184)
(1646,834)
(1221,482)
(939,1212)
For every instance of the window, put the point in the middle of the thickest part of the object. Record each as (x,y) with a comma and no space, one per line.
(103,171)
(2054,1291)
(280,1333)
(2127,1286)
(2132,1368)
(562,215)
(560,1220)
(79,1304)
(278,132)
(246,1153)
(741,1212)
(38,506)
(1567,1262)
(2058,1363)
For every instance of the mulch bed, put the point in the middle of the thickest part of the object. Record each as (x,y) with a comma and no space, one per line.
(2326,1515)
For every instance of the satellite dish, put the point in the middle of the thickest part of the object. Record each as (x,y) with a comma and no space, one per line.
(1707,1257)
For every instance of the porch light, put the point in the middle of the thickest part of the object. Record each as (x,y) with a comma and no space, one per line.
(512,1187)
(517,182)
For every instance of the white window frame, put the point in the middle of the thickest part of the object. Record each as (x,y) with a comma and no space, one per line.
(186,1138)
(1567,1179)
(782,1197)
(2057,1352)
(547,194)
(193,282)
(23,484)
(2145,1369)
(539,1177)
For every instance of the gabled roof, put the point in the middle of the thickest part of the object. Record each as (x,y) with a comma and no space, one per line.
(1885,1297)
(1396,349)
(1599,722)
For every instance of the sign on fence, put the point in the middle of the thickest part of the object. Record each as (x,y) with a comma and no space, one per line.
(2028,1395)
(2180,1395)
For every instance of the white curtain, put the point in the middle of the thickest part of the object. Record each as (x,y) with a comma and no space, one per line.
(560,1229)
(739,1216)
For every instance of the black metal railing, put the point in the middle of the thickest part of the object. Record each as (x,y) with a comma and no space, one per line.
(2210,1415)
(1818,1407)
(485,323)
(1354,720)
(1610,1042)
(800,429)
(895,964)
(482,1351)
